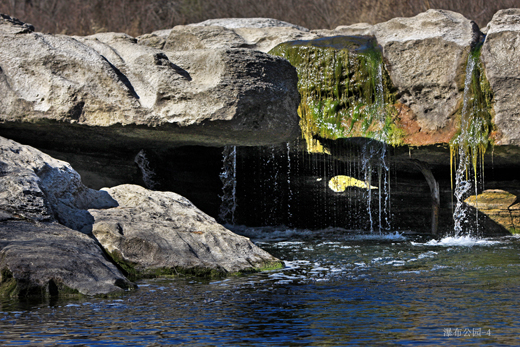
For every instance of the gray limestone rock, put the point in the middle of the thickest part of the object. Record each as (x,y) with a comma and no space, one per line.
(146,232)
(358,29)
(426,56)
(109,84)
(39,259)
(501,60)
(37,187)
(190,37)
(163,232)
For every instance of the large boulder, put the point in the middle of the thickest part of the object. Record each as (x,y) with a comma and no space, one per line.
(37,187)
(75,88)
(38,255)
(40,259)
(234,23)
(501,61)
(164,233)
(426,57)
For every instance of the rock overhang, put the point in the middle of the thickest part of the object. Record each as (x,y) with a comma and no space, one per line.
(108,81)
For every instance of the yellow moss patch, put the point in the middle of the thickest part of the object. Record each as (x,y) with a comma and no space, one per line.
(340,183)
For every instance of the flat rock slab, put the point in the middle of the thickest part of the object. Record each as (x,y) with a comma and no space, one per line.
(152,233)
(50,259)
(107,91)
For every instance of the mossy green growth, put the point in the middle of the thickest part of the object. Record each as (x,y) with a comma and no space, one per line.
(8,284)
(133,274)
(344,87)
(271,265)
(514,231)
(476,116)
(127,267)
(178,271)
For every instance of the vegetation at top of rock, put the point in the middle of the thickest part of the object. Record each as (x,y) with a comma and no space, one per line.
(137,17)
(345,90)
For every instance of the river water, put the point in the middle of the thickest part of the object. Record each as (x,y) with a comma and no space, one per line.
(336,289)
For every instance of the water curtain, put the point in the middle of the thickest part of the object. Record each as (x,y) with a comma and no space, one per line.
(469,145)
(228,177)
(346,94)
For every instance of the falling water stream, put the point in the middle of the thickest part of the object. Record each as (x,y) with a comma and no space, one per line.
(228,177)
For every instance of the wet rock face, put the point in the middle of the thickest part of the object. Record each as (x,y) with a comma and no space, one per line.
(501,60)
(107,83)
(426,56)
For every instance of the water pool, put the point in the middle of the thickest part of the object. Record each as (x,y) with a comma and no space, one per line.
(336,289)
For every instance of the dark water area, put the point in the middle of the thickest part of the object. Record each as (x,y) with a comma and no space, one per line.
(336,289)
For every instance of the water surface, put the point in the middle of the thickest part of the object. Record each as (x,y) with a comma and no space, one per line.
(336,289)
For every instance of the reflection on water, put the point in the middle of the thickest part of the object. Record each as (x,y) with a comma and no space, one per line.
(335,290)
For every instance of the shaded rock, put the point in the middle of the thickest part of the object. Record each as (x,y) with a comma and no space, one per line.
(37,187)
(109,84)
(426,56)
(147,232)
(501,60)
(152,233)
(500,206)
(50,259)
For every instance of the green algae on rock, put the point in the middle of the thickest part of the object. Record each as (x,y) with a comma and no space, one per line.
(345,90)
(475,118)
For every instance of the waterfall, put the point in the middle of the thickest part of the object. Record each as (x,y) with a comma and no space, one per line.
(148,175)
(228,177)
(469,146)
(289,187)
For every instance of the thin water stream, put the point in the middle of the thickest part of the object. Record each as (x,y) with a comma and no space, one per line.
(336,289)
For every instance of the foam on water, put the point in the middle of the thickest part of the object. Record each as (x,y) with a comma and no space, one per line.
(462,241)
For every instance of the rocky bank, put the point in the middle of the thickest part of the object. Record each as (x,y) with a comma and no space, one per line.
(58,236)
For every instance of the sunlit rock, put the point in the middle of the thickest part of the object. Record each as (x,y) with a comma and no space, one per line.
(500,206)
(501,60)
(118,94)
(162,233)
(426,57)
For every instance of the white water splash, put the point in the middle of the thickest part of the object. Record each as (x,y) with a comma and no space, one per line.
(462,241)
